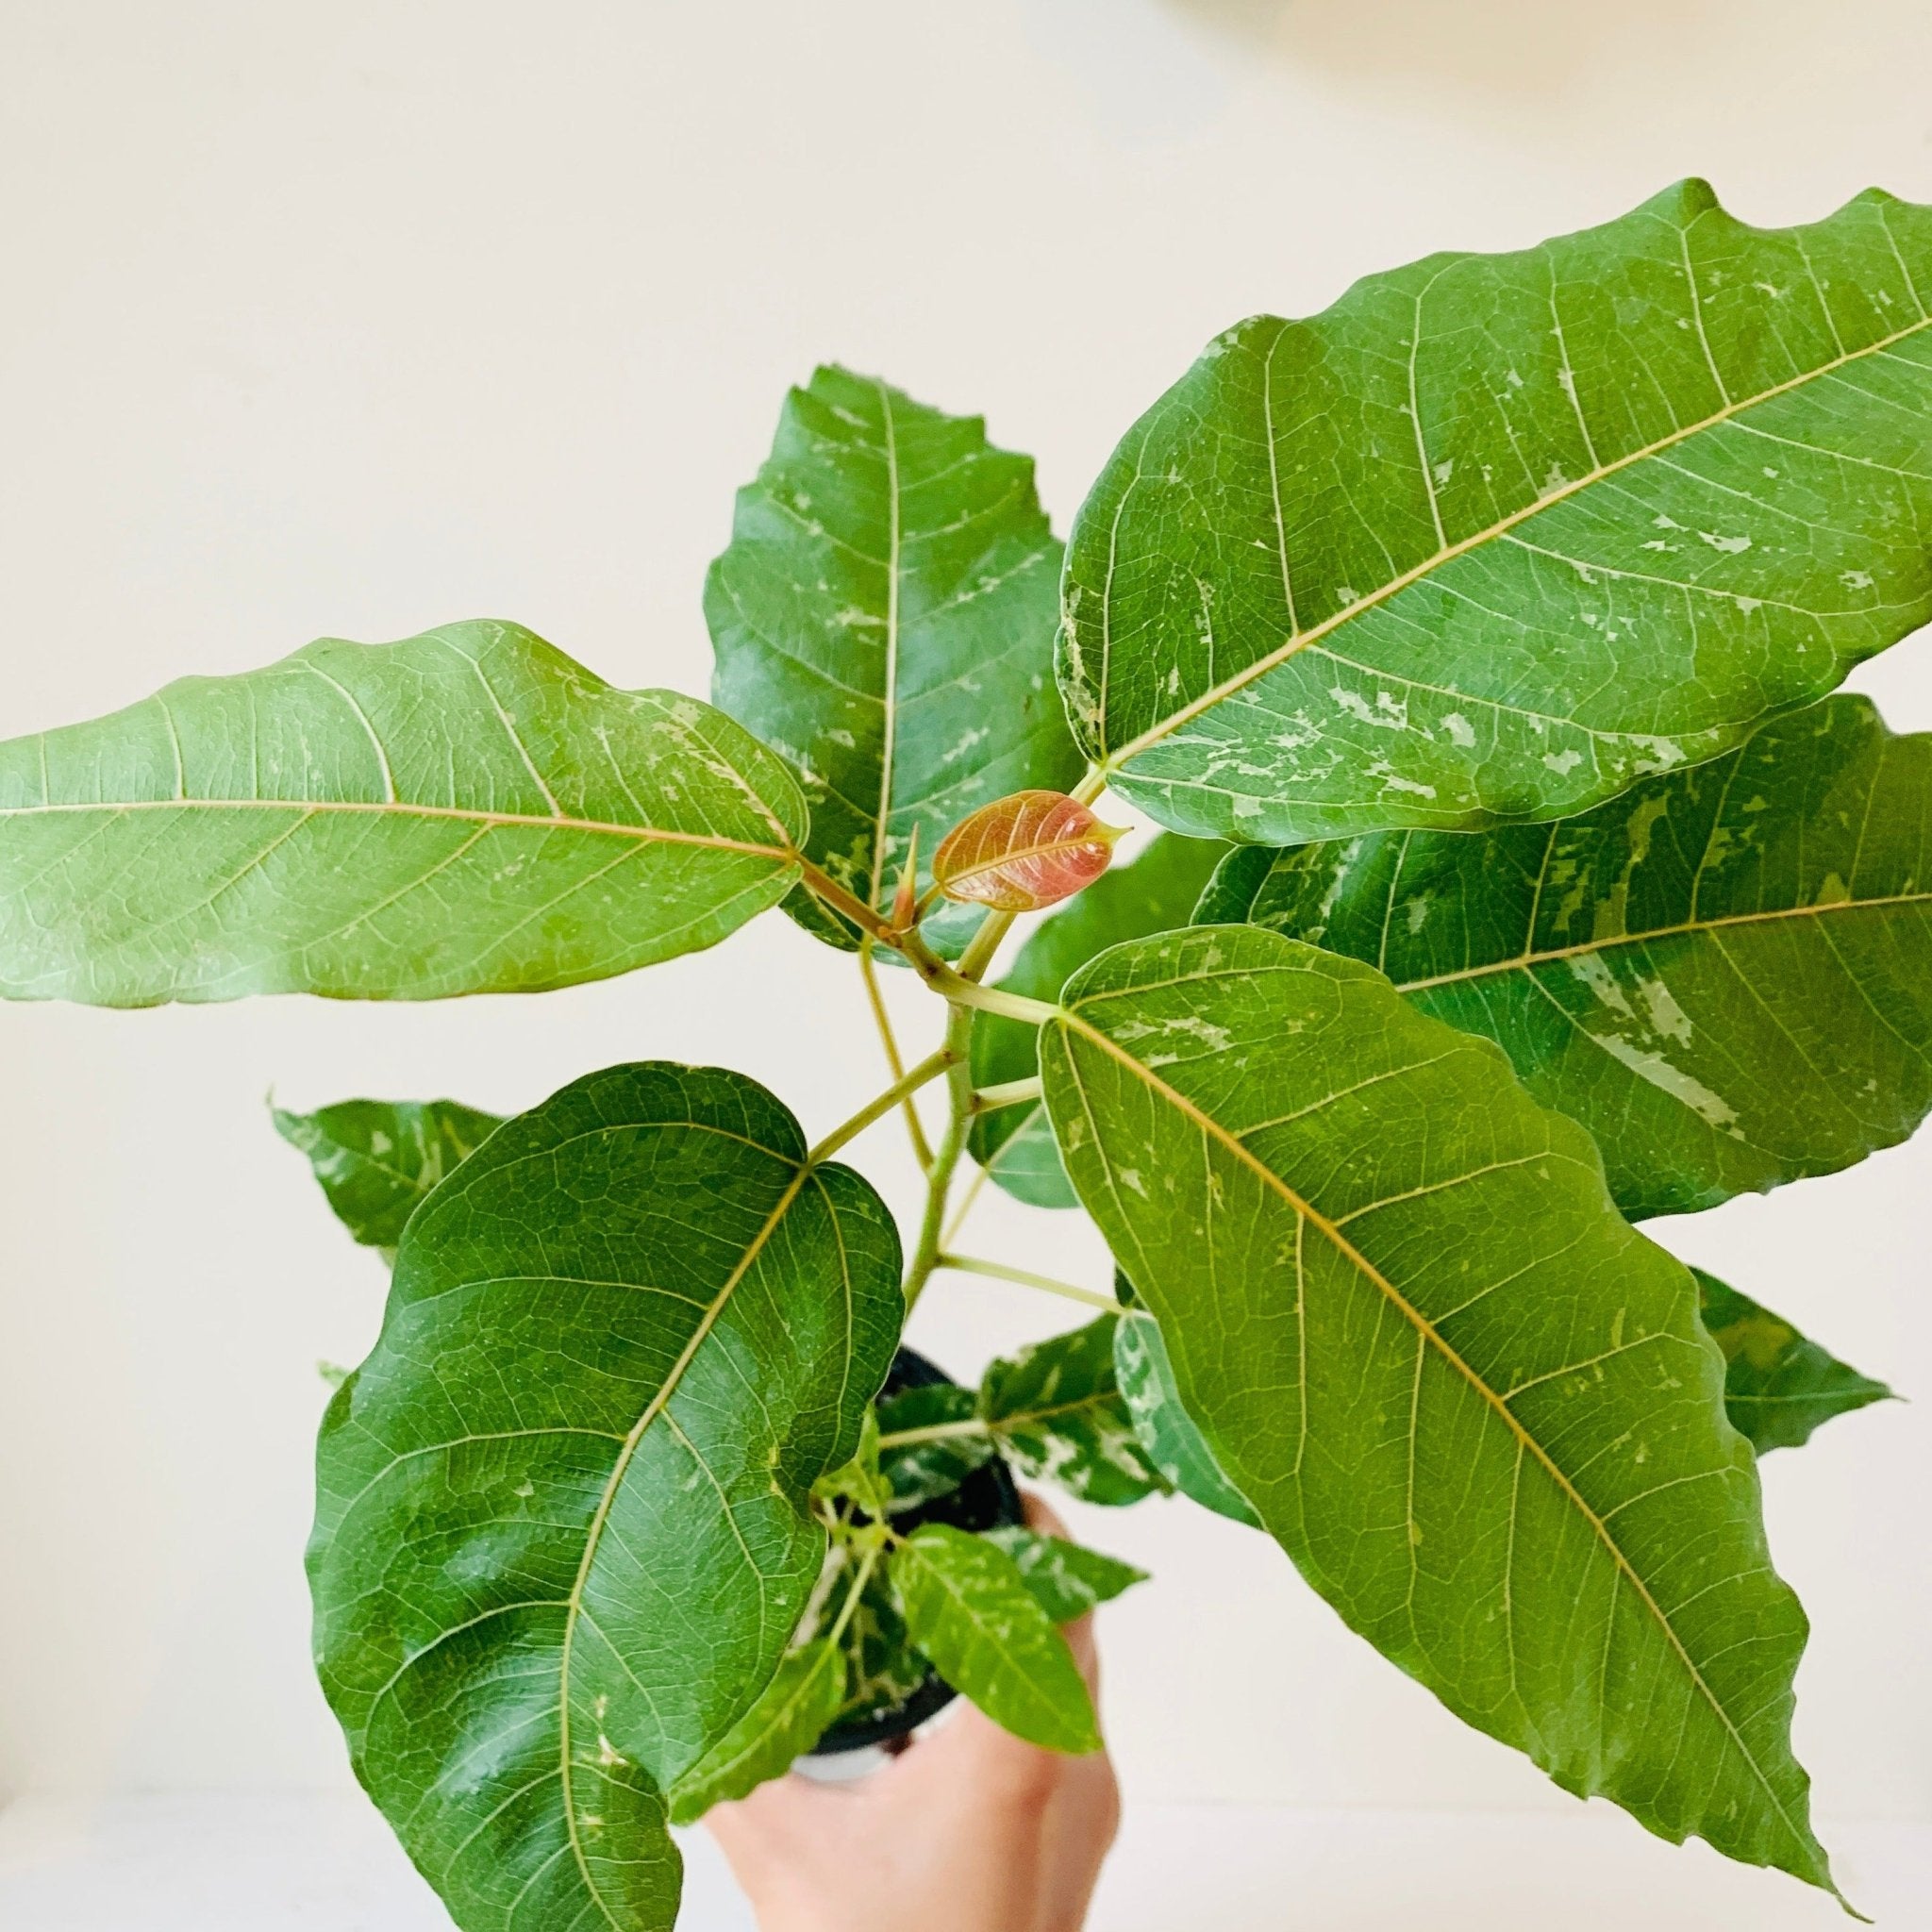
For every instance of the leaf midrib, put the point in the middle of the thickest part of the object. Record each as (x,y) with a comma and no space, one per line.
(574,1608)
(1522,963)
(462,814)
(1113,762)
(890,703)
(1432,1336)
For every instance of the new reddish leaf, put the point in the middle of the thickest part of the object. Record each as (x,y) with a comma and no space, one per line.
(1022,852)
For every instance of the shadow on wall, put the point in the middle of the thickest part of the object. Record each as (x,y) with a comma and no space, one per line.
(1502,48)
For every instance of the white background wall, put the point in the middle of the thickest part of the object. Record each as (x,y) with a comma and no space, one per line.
(350,318)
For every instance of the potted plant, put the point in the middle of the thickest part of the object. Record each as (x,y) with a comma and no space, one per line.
(1520,879)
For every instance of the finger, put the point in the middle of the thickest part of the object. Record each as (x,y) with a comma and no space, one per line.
(1040,1514)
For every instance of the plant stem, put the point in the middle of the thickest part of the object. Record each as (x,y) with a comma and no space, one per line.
(947,1059)
(965,1207)
(1006,1094)
(867,1565)
(935,1432)
(985,943)
(998,1270)
(945,1156)
(922,1148)
(822,885)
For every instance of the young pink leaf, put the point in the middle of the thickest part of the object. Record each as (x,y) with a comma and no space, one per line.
(1022,852)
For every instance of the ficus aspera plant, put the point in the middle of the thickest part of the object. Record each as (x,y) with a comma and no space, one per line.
(1519,879)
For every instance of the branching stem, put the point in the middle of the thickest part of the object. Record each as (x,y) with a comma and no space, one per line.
(947,1059)
(1006,1094)
(868,1564)
(945,1159)
(965,1208)
(922,1147)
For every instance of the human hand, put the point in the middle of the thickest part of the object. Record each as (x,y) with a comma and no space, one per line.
(968,1830)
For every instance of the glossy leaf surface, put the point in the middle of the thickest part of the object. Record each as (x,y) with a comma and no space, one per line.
(1175,1445)
(789,1718)
(1023,851)
(884,616)
(1475,1407)
(465,811)
(1067,1579)
(1778,1386)
(562,1534)
(376,1160)
(1154,892)
(969,1610)
(1056,1410)
(1497,536)
(1726,974)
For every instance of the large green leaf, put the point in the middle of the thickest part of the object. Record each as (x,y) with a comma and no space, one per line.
(562,1536)
(1497,536)
(1724,974)
(1056,1410)
(1778,1386)
(1153,893)
(885,616)
(376,1160)
(969,1610)
(1475,1407)
(465,811)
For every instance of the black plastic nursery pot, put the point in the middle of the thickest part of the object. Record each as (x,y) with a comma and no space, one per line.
(986,1500)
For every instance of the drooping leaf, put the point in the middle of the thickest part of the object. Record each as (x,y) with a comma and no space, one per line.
(1497,536)
(1056,1411)
(787,1721)
(969,1610)
(1724,974)
(885,616)
(1778,1386)
(1155,894)
(921,1472)
(1475,1407)
(1067,1579)
(465,811)
(376,1159)
(1023,851)
(563,1534)
(1174,1446)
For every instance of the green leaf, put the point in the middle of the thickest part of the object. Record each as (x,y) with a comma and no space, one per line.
(465,811)
(1778,1386)
(376,1159)
(1475,1407)
(1724,974)
(885,616)
(786,1721)
(1056,1413)
(920,1472)
(1067,1579)
(968,1607)
(1153,893)
(563,1534)
(1173,1445)
(1497,536)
